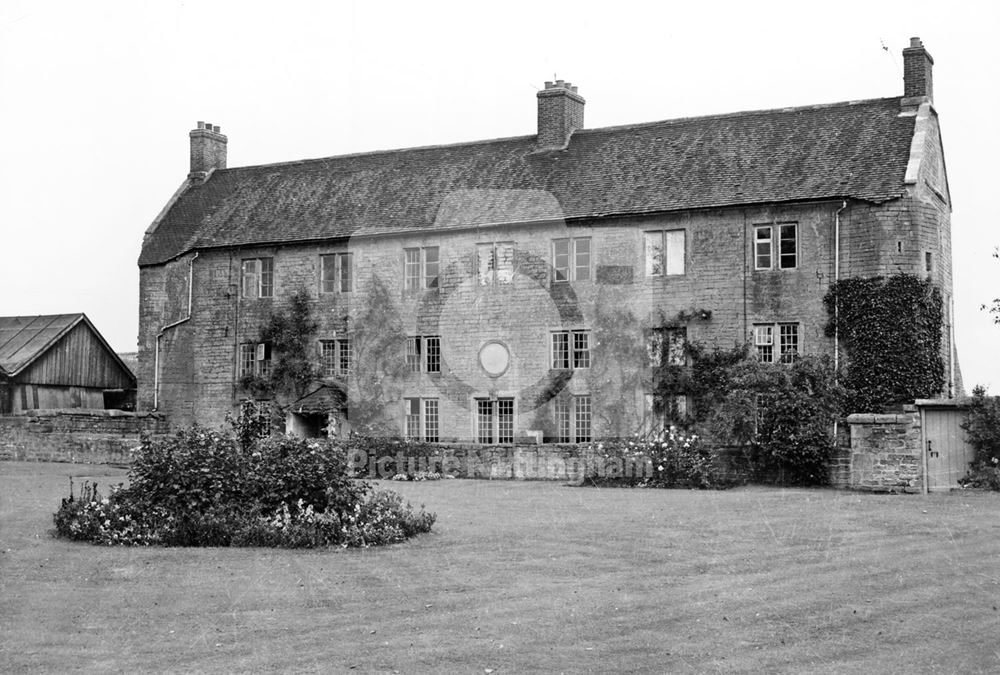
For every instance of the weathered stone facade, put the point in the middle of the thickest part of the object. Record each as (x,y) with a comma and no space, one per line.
(194,317)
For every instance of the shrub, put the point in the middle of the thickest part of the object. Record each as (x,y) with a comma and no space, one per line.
(671,460)
(783,418)
(982,431)
(201,488)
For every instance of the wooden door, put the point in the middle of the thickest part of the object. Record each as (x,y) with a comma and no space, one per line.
(948,455)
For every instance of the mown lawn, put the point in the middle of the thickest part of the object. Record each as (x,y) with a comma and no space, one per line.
(525,577)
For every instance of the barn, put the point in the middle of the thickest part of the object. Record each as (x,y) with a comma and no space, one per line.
(60,361)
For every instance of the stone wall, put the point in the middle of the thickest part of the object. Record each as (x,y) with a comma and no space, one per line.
(885,452)
(198,369)
(95,436)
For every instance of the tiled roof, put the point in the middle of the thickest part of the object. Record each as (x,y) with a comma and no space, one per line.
(24,338)
(850,150)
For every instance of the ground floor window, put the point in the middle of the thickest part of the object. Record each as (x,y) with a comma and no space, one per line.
(787,342)
(494,420)
(574,417)
(422,417)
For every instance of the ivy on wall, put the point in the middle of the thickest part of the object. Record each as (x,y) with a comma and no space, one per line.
(890,329)
(290,333)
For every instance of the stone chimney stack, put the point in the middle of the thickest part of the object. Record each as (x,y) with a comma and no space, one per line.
(208,151)
(560,113)
(917,70)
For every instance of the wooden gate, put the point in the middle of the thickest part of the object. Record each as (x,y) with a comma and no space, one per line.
(946,453)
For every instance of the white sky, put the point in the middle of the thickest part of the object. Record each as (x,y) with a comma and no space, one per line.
(97,97)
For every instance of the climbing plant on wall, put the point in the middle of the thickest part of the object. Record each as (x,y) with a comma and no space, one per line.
(890,329)
(378,340)
(290,332)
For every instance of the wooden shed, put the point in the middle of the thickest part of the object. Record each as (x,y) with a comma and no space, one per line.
(59,361)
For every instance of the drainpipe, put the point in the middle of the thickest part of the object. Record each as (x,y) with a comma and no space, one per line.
(836,278)
(156,357)
(836,305)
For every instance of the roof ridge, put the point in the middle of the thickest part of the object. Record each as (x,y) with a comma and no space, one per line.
(584,131)
(737,114)
(372,153)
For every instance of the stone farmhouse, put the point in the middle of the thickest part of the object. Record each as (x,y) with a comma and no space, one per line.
(513,288)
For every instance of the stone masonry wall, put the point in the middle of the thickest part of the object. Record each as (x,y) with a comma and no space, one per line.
(198,358)
(76,436)
(885,452)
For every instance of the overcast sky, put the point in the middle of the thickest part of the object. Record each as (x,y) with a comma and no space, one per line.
(98,97)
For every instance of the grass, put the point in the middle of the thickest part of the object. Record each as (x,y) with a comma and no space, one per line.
(525,576)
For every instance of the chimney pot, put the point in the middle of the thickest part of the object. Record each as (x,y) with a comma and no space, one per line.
(201,125)
(915,42)
(216,129)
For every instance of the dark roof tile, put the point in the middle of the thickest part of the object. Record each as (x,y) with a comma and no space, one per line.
(858,150)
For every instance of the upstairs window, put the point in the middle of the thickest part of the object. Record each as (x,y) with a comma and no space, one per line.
(571,349)
(255,359)
(258,277)
(664,253)
(571,259)
(666,347)
(495,263)
(336,357)
(763,246)
(423,353)
(336,273)
(420,268)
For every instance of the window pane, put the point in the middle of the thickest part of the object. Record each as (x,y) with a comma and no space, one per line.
(560,260)
(788,247)
(484,420)
(248,358)
(762,248)
(328,357)
(505,420)
(327,273)
(582,262)
(411,268)
(654,254)
(581,349)
(266,277)
(344,356)
(582,404)
(486,263)
(788,341)
(412,406)
(763,337)
(675,251)
(413,354)
(655,347)
(675,339)
(433,345)
(431,267)
(505,262)
(431,420)
(250,277)
(563,420)
(560,350)
(346,272)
